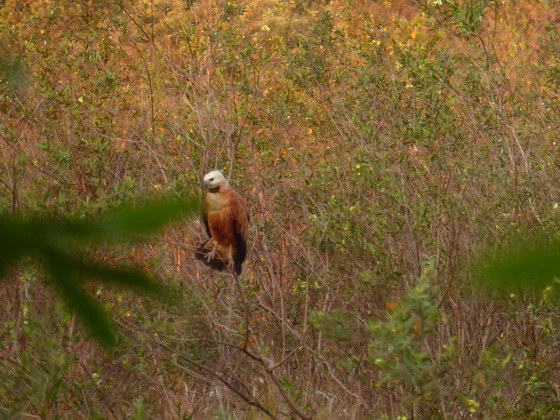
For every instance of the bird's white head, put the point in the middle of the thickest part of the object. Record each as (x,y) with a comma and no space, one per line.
(214,179)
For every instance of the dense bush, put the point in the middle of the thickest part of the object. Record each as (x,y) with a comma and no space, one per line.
(381,147)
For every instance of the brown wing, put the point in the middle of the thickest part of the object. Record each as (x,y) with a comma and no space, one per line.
(240,219)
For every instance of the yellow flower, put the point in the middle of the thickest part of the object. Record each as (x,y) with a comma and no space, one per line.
(473,405)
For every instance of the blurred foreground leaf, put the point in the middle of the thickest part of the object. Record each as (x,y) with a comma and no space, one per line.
(59,245)
(528,265)
(11,72)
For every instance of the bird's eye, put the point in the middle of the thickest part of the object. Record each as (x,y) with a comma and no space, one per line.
(211,179)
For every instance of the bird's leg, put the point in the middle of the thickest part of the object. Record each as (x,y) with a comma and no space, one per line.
(212,253)
(230,259)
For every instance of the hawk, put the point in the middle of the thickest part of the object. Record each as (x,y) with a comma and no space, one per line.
(227,224)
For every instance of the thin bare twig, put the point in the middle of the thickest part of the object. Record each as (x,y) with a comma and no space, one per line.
(249,399)
(246,311)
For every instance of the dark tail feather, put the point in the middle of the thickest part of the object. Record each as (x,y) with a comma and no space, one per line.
(241,253)
(237,264)
(215,263)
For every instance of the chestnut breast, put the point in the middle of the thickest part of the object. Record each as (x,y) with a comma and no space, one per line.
(220,218)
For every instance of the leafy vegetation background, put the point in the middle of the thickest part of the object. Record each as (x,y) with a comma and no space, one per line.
(380,145)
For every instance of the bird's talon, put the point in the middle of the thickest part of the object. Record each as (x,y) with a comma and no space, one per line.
(212,254)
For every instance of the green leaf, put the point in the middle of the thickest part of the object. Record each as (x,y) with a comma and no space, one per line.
(11,71)
(123,276)
(15,239)
(128,222)
(88,310)
(530,264)
(58,244)
(145,217)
